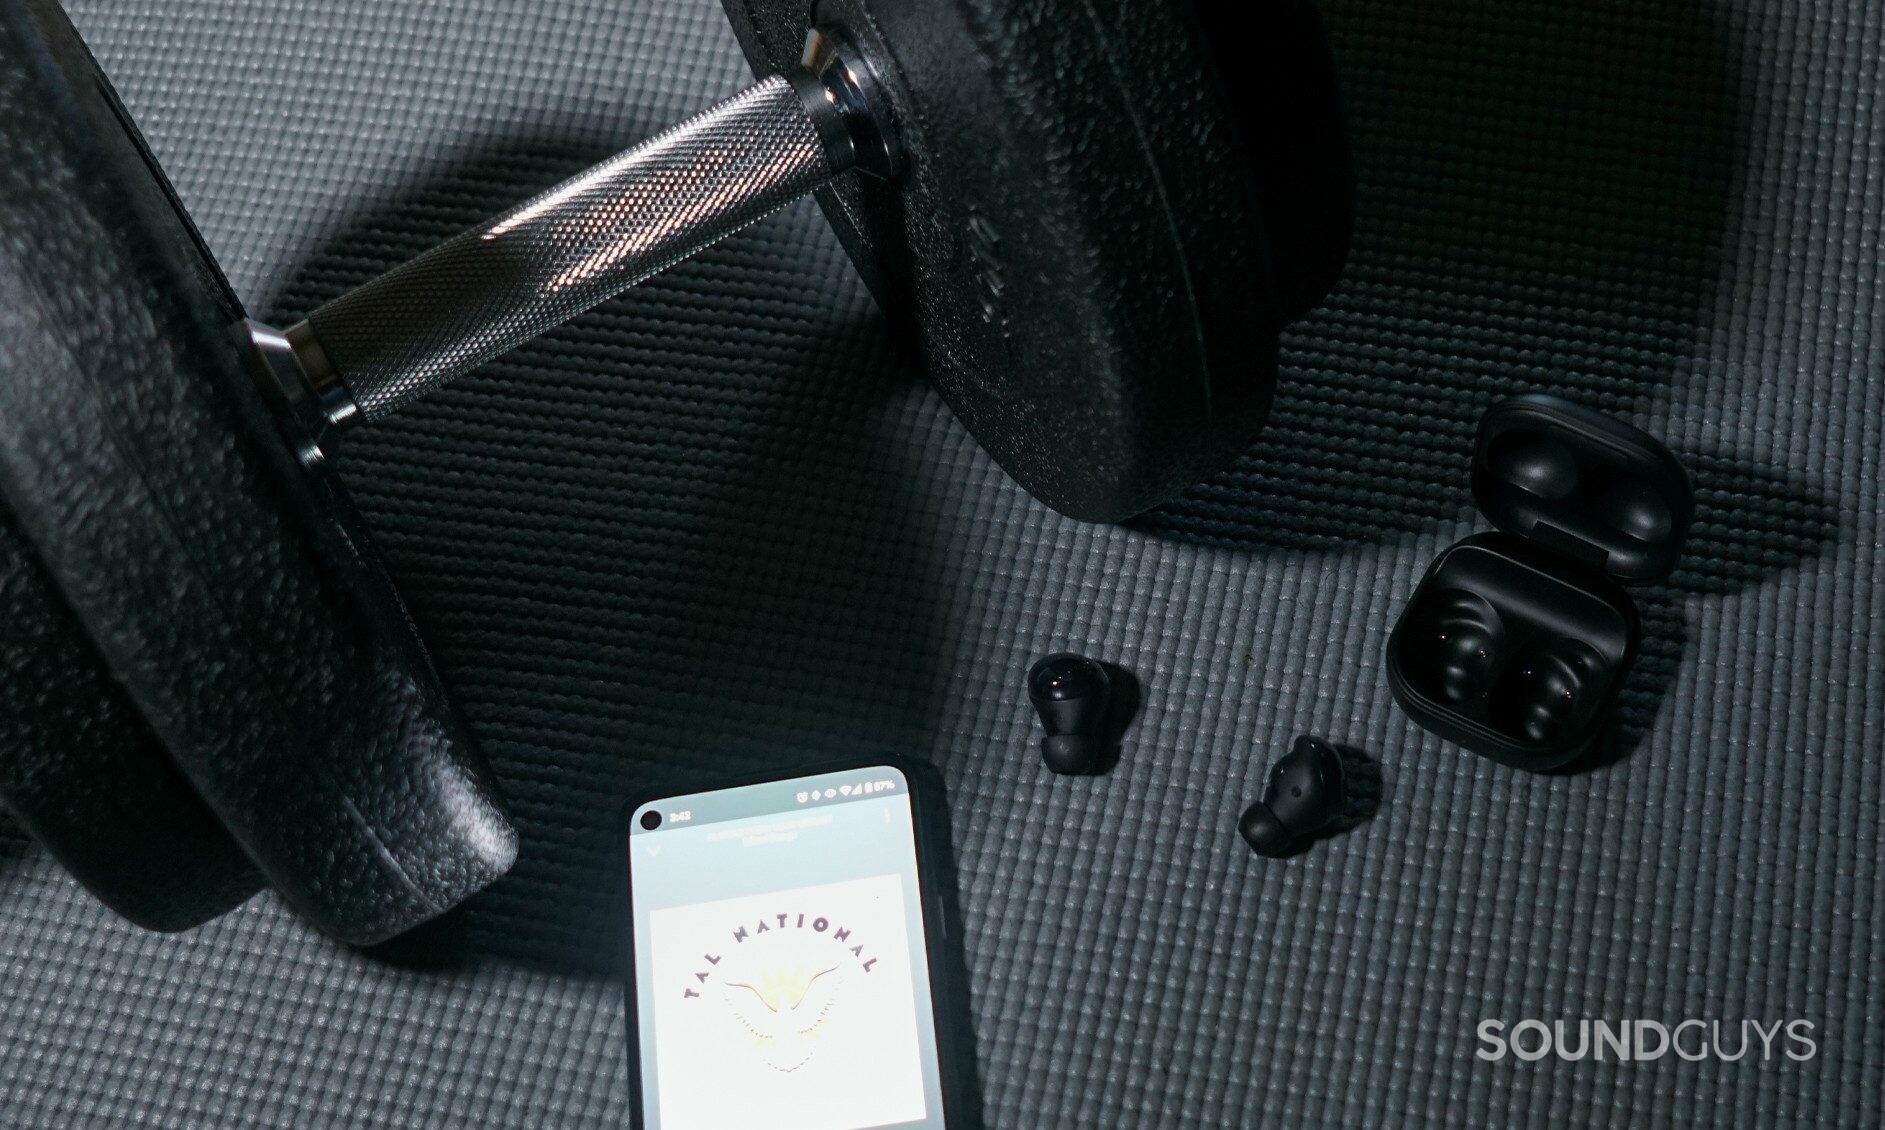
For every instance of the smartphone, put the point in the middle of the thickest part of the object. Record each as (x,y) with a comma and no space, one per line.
(789,959)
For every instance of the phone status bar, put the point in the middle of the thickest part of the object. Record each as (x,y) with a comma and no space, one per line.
(855,791)
(792,794)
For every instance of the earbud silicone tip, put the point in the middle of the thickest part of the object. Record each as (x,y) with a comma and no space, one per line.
(1070,753)
(1264,832)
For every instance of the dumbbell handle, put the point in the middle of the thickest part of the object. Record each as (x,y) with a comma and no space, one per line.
(490,289)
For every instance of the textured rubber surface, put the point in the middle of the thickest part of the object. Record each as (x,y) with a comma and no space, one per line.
(83,773)
(713,525)
(1082,249)
(225,589)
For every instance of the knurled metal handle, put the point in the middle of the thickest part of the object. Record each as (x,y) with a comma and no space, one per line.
(497,286)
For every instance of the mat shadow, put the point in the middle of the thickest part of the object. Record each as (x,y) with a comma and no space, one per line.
(658,547)
(1749,525)
(15,841)
(1545,196)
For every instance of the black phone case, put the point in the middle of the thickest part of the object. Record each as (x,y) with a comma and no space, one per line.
(942,930)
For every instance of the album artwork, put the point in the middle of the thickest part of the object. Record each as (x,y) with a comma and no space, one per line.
(794,1009)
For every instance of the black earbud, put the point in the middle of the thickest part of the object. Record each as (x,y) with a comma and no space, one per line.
(1556,688)
(1466,637)
(1306,790)
(1073,696)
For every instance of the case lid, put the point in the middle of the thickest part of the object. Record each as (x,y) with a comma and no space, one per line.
(1582,483)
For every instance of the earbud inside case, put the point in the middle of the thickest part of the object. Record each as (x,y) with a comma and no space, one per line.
(1516,643)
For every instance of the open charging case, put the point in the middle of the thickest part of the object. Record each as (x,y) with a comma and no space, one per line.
(1516,643)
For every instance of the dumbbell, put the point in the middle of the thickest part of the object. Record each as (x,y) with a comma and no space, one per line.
(1088,225)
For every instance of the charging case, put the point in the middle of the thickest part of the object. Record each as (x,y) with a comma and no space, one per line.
(1516,643)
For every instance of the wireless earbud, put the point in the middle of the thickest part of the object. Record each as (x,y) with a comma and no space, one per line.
(1465,632)
(1554,689)
(1306,790)
(1073,696)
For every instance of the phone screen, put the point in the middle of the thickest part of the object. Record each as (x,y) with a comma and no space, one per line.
(781,969)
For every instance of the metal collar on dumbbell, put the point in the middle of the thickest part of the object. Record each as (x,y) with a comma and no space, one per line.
(495,287)
(299,385)
(847,102)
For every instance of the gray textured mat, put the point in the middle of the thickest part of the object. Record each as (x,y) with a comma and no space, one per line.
(718,523)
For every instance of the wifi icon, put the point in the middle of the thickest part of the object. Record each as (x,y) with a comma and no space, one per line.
(846,789)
